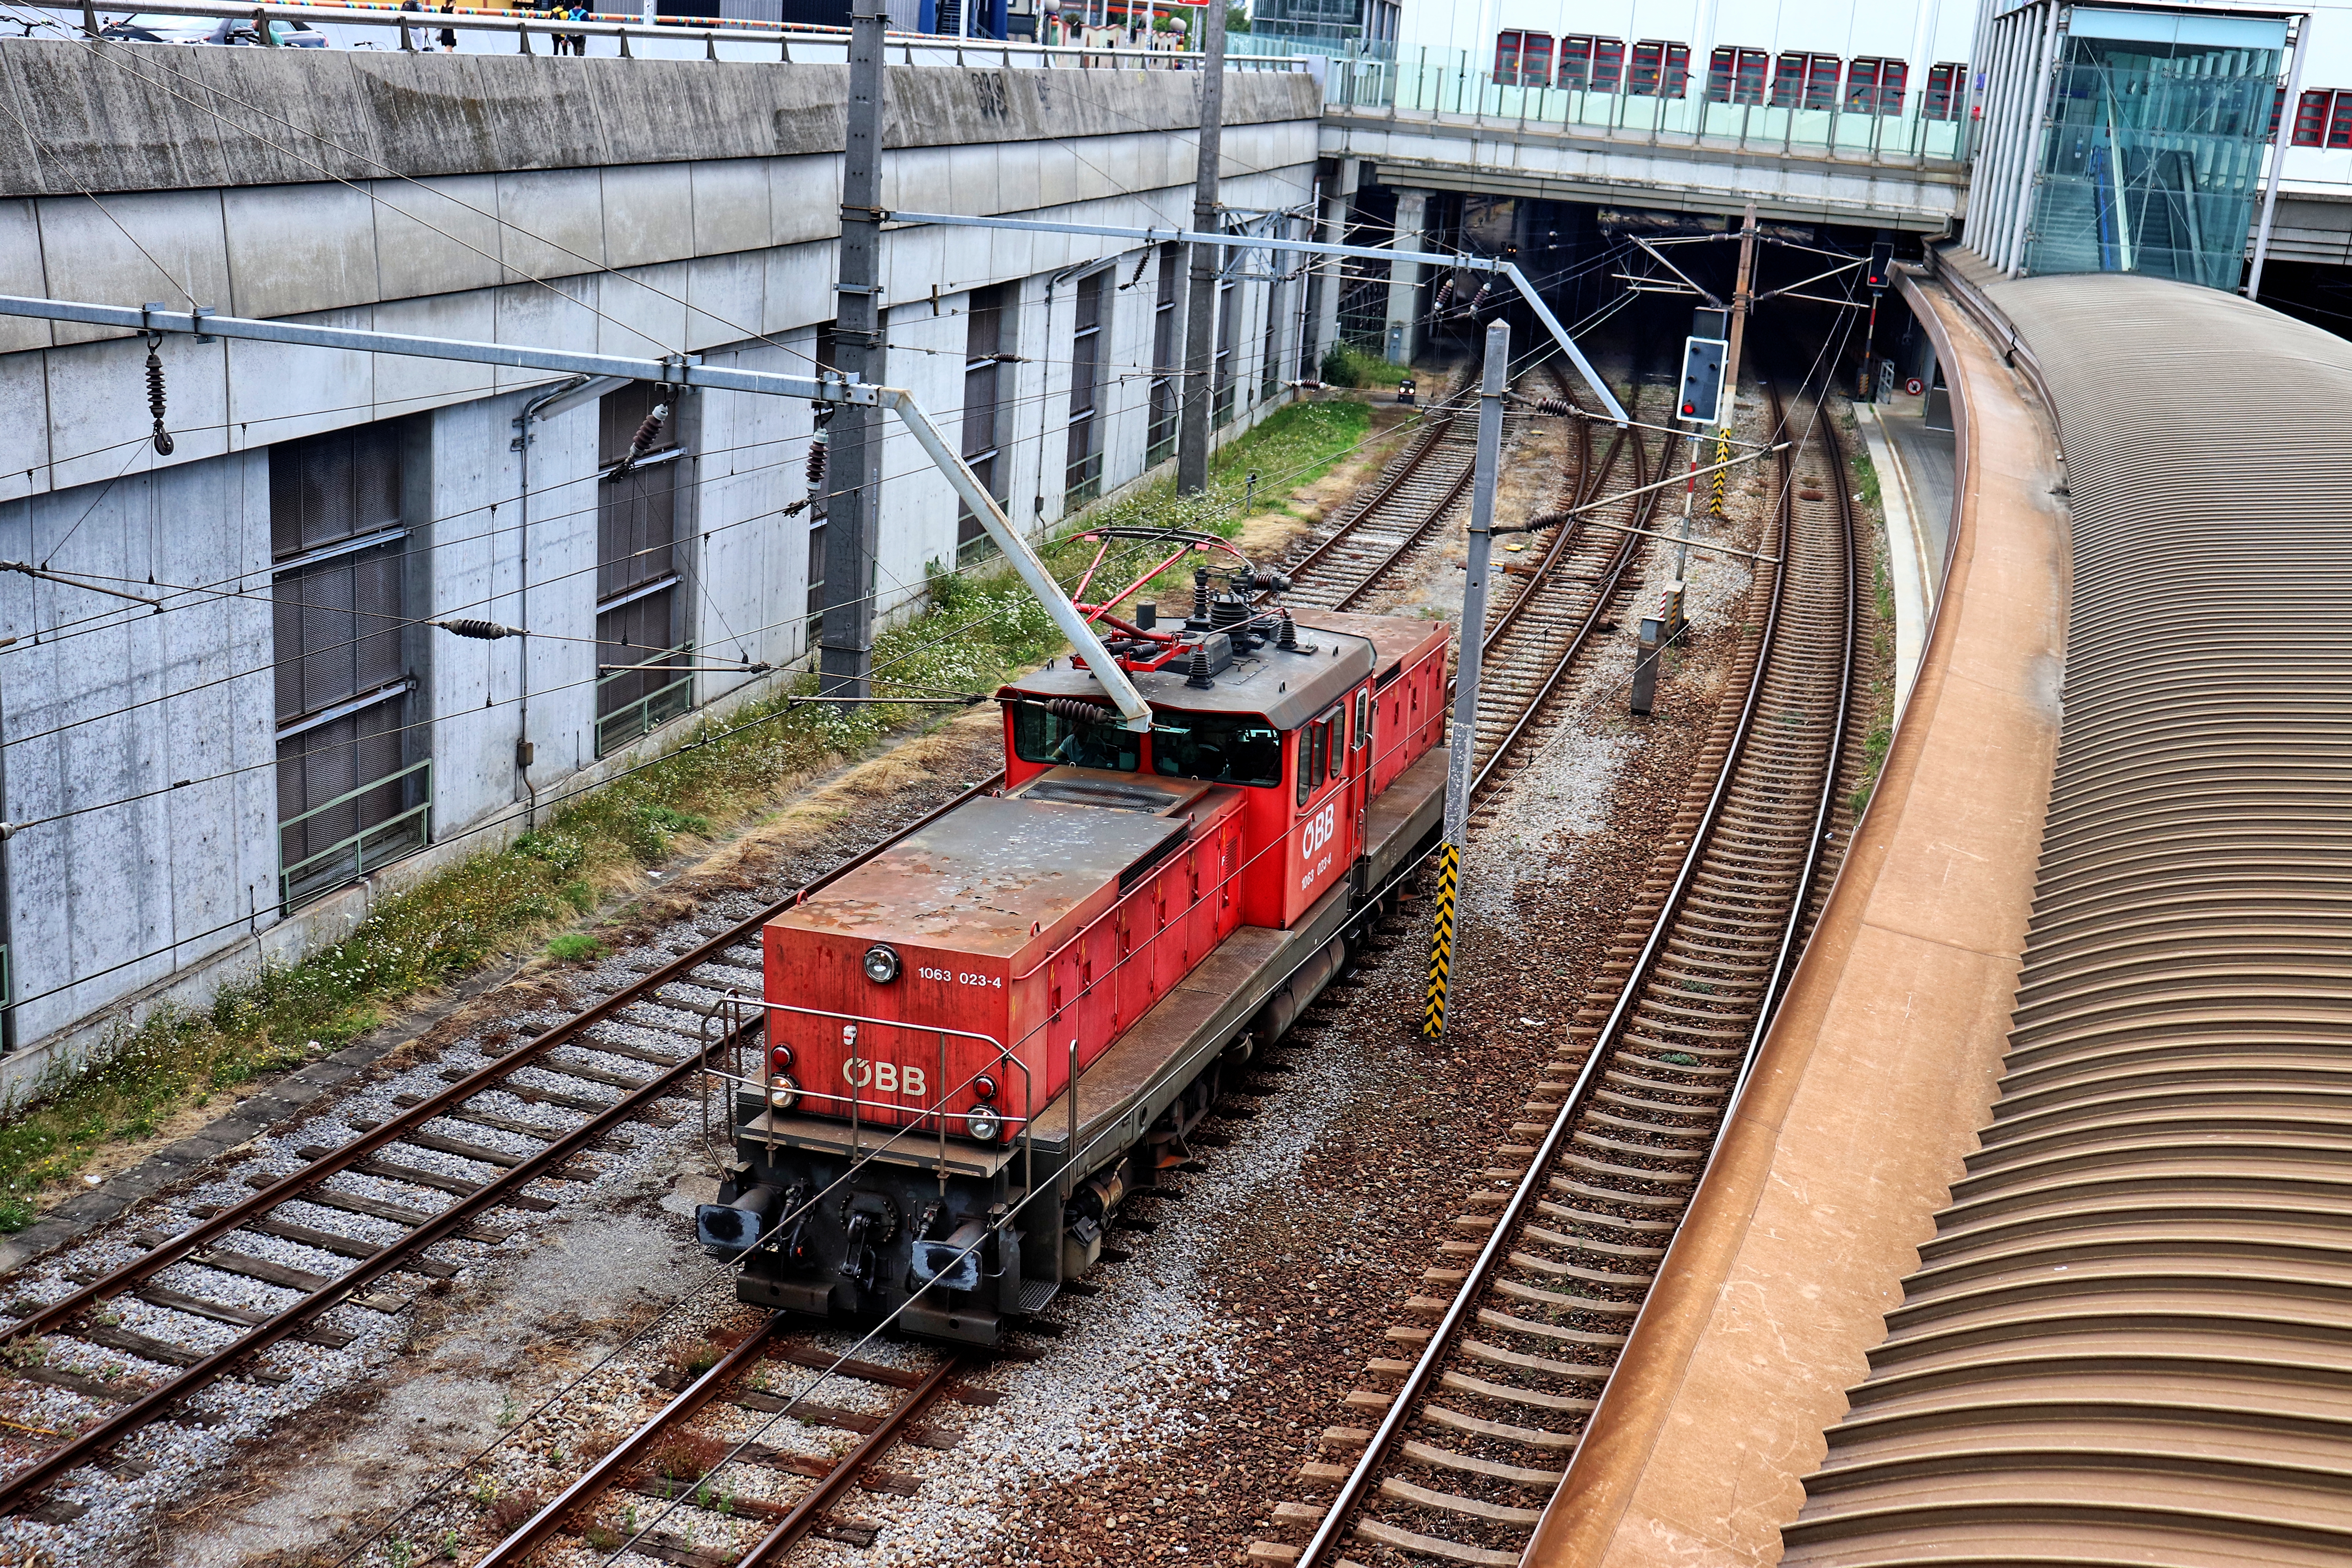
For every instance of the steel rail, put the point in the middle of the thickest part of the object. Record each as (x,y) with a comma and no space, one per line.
(1587,480)
(1605,591)
(1825,806)
(440,1227)
(803,1517)
(535,1530)
(1425,1367)
(1436,514)
(1434,433)
(16,1488)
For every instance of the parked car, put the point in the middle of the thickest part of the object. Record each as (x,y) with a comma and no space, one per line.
(161,29)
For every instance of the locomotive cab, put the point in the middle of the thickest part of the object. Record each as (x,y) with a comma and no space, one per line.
(1287,726)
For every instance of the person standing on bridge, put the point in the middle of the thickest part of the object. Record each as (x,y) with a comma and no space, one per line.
(449,34)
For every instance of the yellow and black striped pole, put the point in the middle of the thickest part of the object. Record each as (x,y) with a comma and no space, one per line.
(1440,941)
(1722,455)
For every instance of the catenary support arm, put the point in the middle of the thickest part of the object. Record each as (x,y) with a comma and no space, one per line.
(1309,247)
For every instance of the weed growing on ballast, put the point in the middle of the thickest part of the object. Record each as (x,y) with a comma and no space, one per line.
(575,947)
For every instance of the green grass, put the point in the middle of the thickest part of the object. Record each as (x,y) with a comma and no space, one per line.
(1348,365)
(500,903)
(1865,476)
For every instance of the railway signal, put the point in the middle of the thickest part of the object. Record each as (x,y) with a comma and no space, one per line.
(1880,273)
(1703,364)
(1465,669)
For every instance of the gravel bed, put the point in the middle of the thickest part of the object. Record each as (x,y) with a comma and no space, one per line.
(1175,1410)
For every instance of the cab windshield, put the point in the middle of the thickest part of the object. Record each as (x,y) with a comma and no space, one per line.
(1041,736)
(1220,748)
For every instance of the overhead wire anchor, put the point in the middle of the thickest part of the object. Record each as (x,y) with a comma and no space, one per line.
(647,432)
(162,437)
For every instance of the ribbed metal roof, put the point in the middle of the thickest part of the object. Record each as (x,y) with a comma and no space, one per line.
(2130,1340)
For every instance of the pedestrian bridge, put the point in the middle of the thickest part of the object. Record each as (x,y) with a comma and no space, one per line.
(1449,127)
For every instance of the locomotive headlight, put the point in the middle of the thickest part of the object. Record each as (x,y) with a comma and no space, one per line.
(984,1124)
(783,1094)
(881,963)
(985,1087)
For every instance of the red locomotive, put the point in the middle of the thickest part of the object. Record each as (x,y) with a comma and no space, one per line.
(1140,909)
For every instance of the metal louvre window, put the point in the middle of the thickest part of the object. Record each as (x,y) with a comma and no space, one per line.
(1737,76)
(350,798)
(633,702)
(1082,472)
(1160,440)
(637,602)
(988,332)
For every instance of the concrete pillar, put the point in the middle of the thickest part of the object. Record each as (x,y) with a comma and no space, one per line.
(1404,278)
(1327,280)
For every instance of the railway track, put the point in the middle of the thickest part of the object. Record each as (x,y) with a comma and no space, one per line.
(1533,638)
(1475,1433)
(743,1497)
(515,1123)
(1399,521)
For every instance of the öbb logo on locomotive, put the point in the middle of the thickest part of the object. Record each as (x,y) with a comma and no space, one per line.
(883,1077)
(1148,908)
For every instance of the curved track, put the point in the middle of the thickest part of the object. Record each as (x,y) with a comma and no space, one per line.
(609,1075)
(1476,1436)
(1534,637)
(1399,521)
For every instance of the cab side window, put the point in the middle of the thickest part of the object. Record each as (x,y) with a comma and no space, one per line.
(1322,752)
